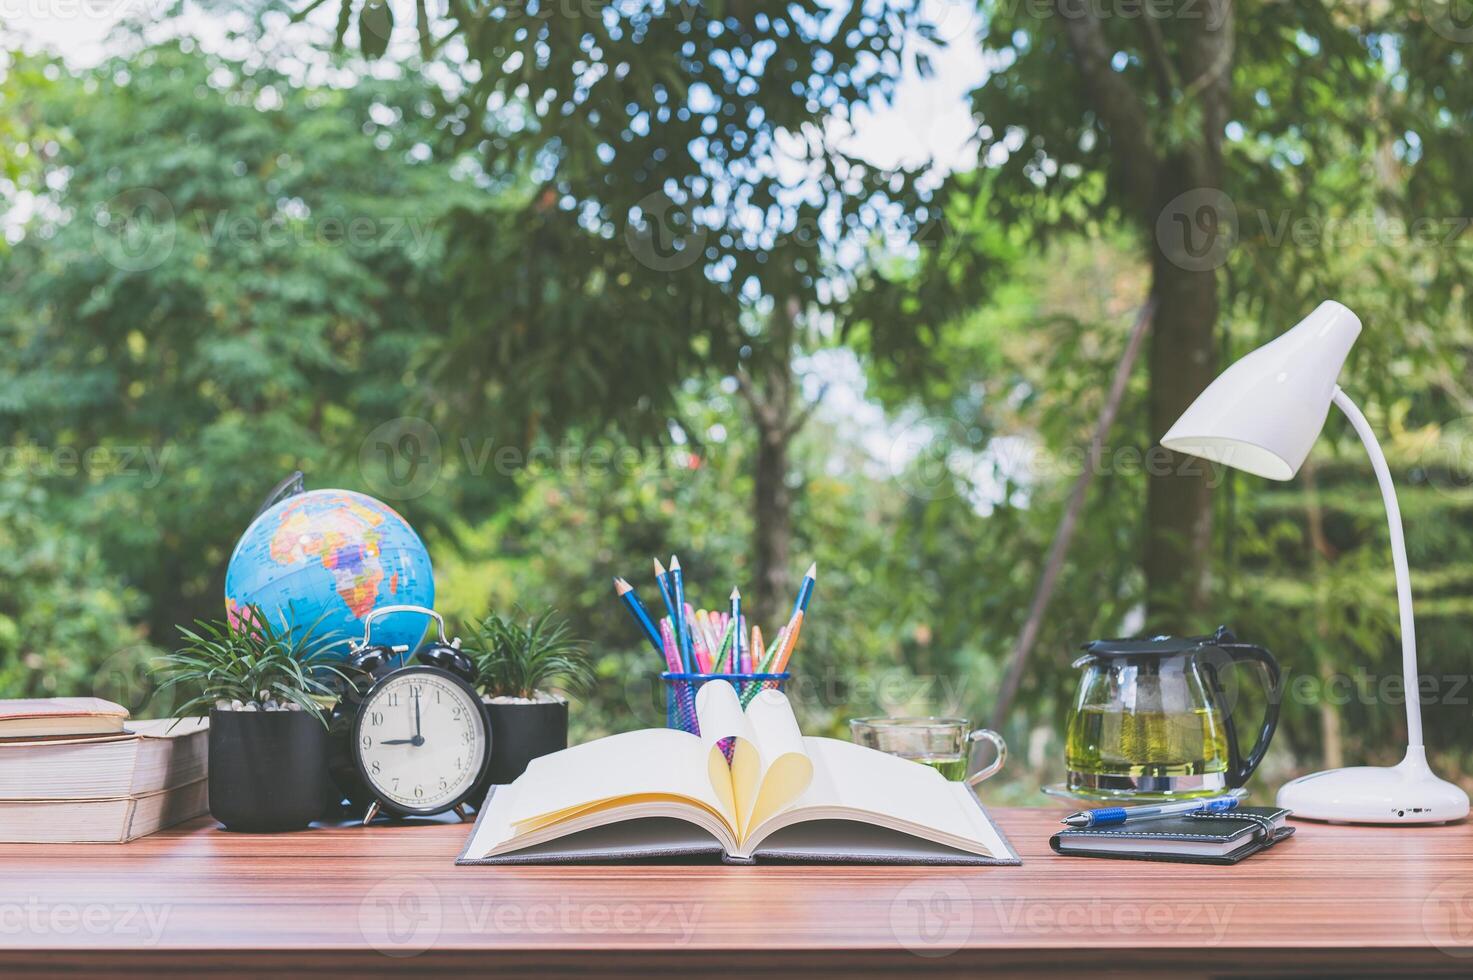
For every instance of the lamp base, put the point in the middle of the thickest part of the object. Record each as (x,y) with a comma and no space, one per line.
(1407,792)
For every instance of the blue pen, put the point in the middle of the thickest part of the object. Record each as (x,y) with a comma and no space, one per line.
(1108,815)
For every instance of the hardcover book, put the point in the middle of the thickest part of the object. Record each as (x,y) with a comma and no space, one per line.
(27,718)
(109,821)
(150,756)
(664,794)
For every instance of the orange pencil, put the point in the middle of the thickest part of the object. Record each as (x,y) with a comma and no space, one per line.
(795,627)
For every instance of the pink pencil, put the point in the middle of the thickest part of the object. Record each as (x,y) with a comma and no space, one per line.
(710,628)
(698,643)
(682,689)
(667,638)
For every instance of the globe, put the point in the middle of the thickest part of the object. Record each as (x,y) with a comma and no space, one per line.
(333,554)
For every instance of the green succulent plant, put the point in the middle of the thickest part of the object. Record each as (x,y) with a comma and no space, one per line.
(518,658)
(251,660)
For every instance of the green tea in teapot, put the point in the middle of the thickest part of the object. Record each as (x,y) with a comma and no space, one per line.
(1152,719)
(1106,742)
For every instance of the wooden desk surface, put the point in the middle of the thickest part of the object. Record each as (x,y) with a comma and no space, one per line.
(1368,899)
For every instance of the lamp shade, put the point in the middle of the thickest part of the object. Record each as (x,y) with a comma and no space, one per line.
(1264,412)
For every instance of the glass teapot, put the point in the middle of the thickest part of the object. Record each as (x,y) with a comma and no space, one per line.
(1153,720)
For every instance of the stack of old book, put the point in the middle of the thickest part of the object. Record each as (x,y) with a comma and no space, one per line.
(76,770)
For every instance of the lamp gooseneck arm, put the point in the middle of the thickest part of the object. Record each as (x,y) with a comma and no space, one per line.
(1398,563)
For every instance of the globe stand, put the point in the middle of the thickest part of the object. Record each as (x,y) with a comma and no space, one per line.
(288,487)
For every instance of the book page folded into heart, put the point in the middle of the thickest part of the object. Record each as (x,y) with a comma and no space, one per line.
(664,791)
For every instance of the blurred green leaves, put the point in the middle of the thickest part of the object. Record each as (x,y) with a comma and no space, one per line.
(229,275)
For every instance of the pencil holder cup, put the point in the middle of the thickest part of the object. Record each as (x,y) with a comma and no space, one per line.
(680,694)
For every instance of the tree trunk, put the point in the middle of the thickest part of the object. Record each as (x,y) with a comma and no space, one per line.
(1183,361)
(772,528)
(1322,552)
(777,417)
(1176,194)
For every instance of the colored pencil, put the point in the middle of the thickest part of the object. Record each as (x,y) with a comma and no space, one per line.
(699,618)
(641,615)
(713,641)
(716,623)
(684,700)
(805,590)
(682,635)
(736,618)
(789,646)
(699,648)
(662,579)
(707,626)
(667,592)
(760,663)
(726,637)
(770,656)
(672,659)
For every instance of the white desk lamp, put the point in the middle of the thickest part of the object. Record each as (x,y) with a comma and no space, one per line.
(1262,415)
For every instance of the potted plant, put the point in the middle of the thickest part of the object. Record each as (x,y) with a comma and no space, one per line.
(518,666)
(268,732)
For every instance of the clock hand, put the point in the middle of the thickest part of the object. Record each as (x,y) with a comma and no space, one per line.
(418,738)
(397,741)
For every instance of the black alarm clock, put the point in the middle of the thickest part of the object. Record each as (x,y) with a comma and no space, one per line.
(413,739)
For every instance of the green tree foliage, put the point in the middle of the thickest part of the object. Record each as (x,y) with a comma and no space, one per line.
(684,161)
(607,512)
(230,278)
(683,168)
(22,133)
(1212,131)
(68,623)
(690,207)
(1329,187)
(190,302)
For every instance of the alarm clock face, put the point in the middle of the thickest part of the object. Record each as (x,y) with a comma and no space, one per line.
(420,740)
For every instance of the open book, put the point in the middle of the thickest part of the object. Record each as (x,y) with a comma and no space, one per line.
(663,793)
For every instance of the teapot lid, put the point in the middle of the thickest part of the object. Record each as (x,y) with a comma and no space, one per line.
(1150,646)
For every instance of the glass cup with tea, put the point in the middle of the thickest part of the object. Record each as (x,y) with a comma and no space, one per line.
(944,744)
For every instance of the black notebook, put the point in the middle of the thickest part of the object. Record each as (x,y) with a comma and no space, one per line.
(1206,838)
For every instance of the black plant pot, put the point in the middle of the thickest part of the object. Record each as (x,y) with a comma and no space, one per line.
(519,734)
(268,770)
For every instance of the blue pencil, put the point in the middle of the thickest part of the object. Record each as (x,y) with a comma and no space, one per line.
(640,614)
(667,592)
(682,635)
(805,591)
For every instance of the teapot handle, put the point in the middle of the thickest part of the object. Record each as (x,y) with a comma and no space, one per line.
(1240,653)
